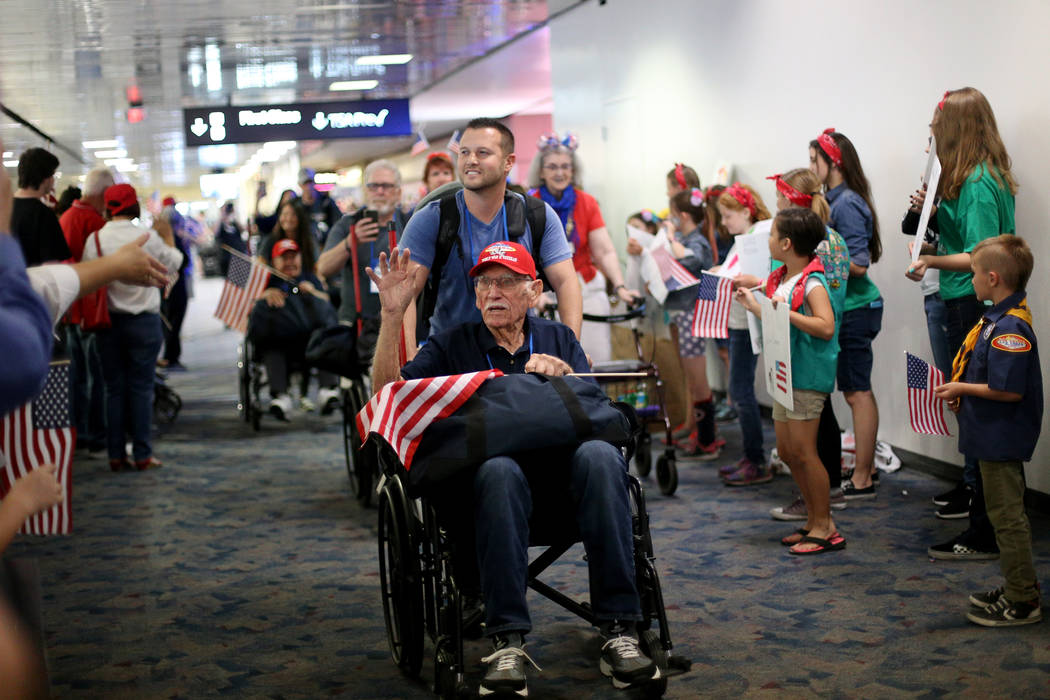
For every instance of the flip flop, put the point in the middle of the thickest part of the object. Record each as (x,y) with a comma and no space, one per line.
(789,542)
(834,542)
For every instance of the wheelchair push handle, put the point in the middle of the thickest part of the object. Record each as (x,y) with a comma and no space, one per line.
(632,312)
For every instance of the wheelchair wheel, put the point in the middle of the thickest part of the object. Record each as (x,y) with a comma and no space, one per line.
(400,582)
(654,648)
(244,384)
(448,684)
(643,455)
(666,475)
(351,440)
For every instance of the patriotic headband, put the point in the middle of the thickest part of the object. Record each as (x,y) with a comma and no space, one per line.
(794,196)
(828,145)
(940,105)
(696,197)
(740,194)
(679,175)
(550,141)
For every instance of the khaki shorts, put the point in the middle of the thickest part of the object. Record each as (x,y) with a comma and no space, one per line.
(808,406)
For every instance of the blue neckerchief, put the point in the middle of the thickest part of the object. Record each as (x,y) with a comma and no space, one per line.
(564,208)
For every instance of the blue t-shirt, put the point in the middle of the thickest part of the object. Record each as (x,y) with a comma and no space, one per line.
(1006,357)
(455,300)
(470,347)
(25,330)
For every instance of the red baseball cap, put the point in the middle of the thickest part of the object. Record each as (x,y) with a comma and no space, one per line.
(120,197)
(169,201)
(512,256)
(283,246)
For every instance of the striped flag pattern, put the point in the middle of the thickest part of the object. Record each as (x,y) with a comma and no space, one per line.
(780,375)
(421,144)
(453,143)
(245,282)
(711,317)
(674,275)
(402,410)
(924,408)
(41,432)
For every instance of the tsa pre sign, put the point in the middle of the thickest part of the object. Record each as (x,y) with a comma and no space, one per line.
(300,121)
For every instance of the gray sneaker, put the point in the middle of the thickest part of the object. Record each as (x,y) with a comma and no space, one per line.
(1005,613)
(838,499)
(622,657)
(795,511)
(987,598)
(505,676)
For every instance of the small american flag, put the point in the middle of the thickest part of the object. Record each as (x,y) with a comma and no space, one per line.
(41,432)
(421,144)
(674,275)
(402,410)
(711,318)
(924,408)
(781,375)
(453,143)
(245,282)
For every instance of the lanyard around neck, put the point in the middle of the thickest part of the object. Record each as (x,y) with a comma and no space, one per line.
(489,359)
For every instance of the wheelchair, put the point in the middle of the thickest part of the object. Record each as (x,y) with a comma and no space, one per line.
(361,462)
(251,378)
(421,598)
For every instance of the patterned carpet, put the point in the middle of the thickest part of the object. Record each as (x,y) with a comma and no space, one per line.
(244,569)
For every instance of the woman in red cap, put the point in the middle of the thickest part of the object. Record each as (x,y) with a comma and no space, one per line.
(438,171)
(130,347)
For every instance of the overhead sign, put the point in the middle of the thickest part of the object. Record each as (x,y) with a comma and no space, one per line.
(300,121)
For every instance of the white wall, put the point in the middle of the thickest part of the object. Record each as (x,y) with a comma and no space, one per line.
(752,82)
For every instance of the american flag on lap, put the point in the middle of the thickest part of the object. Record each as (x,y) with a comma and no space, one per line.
(402,410)
(245,282)
(41,432)
(711,317)
(924,408)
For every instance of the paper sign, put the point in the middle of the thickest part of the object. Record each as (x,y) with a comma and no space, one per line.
(776,351)
(753,248)
(932,177)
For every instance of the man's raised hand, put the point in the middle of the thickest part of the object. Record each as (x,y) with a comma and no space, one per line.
(395,280)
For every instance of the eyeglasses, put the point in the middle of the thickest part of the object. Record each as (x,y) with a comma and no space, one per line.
(554,167)
(377,186)
(504,283)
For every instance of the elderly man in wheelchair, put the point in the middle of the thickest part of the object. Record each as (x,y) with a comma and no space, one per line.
(506,490)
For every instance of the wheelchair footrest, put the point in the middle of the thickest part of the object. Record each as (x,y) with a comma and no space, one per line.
(677,665)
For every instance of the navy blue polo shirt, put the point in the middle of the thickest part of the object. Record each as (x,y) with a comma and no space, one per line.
(1006,357)
(471,348)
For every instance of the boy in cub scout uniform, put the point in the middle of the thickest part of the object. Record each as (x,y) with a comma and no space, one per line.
(997,391)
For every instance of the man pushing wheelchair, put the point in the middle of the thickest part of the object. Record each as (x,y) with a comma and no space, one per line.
(506,491)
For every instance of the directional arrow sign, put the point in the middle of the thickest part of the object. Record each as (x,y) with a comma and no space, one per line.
(296,122)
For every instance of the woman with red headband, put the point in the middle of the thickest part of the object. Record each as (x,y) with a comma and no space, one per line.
(977,202)
(555,177)
(834,160)
(741,208)
(438,171)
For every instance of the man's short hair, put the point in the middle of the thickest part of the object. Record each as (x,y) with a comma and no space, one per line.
(96,181)
(35,166)
(1008,256)
(382,164)
(506,136)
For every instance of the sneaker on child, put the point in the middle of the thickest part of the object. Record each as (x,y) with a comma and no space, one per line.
(1007,613)
(960,548)
(749,474)
(959,505)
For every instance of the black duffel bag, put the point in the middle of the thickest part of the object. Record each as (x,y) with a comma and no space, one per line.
(515,414)
(334,349)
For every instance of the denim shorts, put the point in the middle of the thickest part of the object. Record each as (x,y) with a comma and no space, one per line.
(859,328)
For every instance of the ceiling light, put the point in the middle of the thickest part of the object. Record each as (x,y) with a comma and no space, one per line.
(118,162)
(91,145)
(8,154)
(345,85)
(394,59)
(127,168)
(10,163)
(115,153)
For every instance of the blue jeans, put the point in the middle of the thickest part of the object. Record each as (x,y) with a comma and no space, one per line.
(506,495)
(742,390)
(937,327)
(89,391)
(129,358)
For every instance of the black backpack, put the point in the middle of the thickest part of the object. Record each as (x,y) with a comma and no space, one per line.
(532,210)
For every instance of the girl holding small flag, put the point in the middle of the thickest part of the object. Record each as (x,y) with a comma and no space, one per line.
(800,282)
(741,210)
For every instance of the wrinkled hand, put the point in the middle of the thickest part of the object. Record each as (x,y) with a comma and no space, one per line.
(307,286)
(274,297)
(37,490)
(135,266)
(631,296)
(395,280)
(366,230)
(547,364)
(634,247)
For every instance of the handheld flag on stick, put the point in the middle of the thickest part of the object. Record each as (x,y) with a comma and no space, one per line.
(245,282)
(924,408)
(421,143)
(713,297)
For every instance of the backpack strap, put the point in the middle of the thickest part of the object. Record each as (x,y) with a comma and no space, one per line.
(447,239)
(536,215)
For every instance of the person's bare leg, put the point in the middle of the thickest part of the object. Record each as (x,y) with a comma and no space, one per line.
(865,430)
